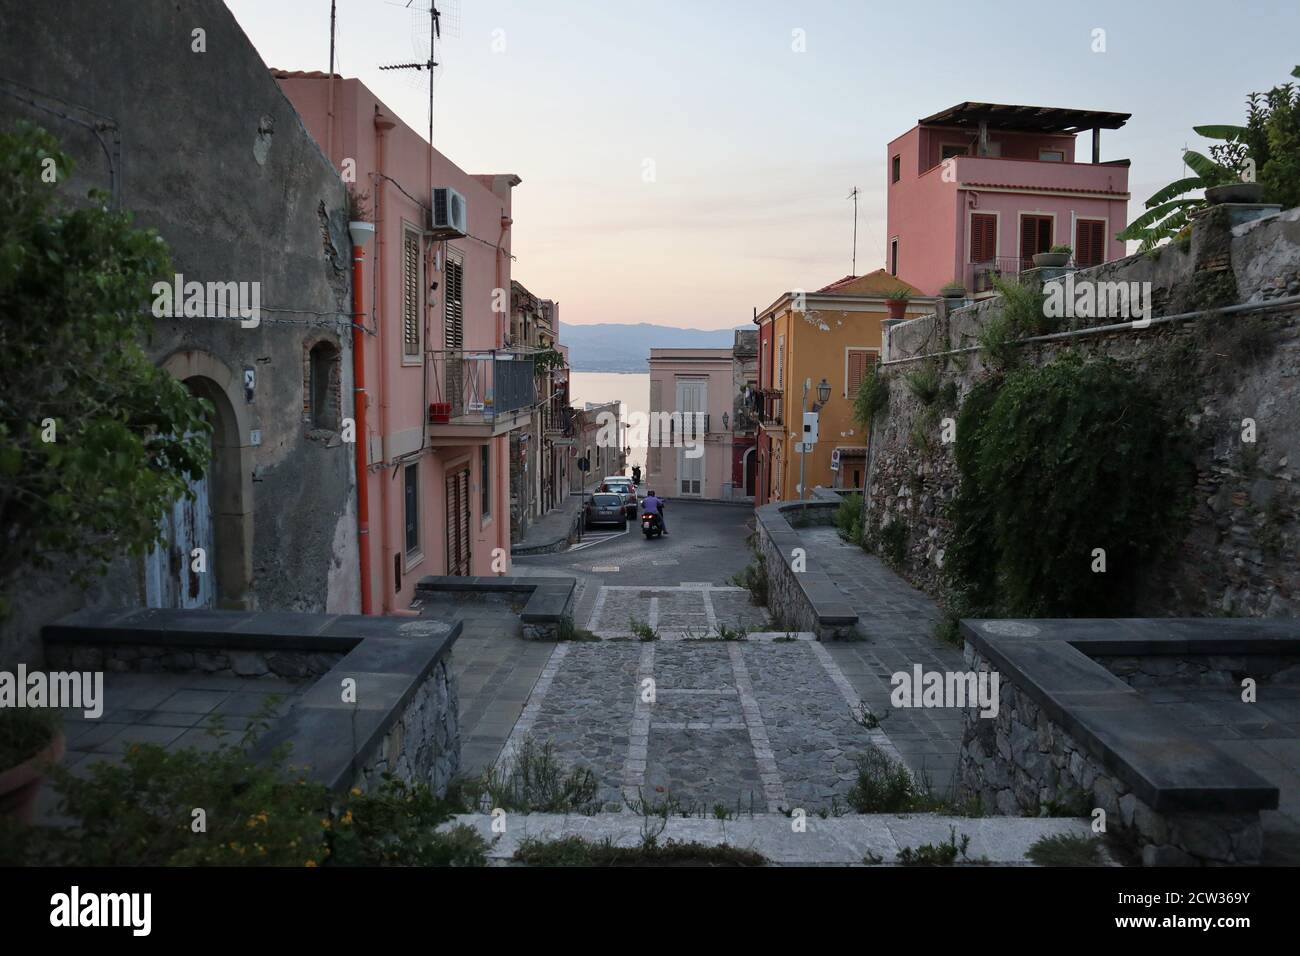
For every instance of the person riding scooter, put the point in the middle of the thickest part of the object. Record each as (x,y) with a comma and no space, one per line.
(652,505)
(636,474)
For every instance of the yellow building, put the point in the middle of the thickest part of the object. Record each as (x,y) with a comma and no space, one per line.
(826,338)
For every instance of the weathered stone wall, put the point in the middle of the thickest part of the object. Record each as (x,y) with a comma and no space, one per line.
(1205,670)
(215,158)
(1239,554)
(423,746)
(219,662)
(1020,760)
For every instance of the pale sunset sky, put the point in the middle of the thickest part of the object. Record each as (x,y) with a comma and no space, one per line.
(755,145)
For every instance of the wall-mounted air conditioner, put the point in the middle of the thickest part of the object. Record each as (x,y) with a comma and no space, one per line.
(450,217)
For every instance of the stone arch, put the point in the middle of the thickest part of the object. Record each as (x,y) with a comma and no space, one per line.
(231,472)
(322,385)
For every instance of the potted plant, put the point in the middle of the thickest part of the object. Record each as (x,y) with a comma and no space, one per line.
(1055,257)
(31,741)
(896,302)
(953,290)
(1234,192)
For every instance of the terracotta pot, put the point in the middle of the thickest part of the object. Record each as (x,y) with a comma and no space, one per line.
(20,785)
(897,307)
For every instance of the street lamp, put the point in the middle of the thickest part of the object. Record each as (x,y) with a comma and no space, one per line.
(823,396)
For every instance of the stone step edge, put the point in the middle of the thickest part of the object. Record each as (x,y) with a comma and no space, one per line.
(843,841)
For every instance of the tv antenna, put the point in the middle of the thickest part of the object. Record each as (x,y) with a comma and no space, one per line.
(854,196)
(435,33)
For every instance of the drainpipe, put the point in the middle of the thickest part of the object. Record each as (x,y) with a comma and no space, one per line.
(361,233)
(382,125)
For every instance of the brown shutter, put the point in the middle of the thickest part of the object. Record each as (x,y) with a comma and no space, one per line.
(983,237)
(454,313)
(458,523)
(1090,242)
(1035,237)
(411,294)
(857,369)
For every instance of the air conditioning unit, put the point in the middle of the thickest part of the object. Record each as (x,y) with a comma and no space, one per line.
(449,213)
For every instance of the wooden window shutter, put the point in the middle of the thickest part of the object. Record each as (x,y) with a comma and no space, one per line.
(857,369)
(411,294)
(454,313)
(1035,237)
(1090,242)
(983,237)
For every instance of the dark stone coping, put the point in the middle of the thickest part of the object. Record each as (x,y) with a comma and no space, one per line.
(826,599)
(548,600)
(1168,767)
(388,657)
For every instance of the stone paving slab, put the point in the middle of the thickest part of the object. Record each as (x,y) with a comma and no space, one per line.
(675,612)
(834,841)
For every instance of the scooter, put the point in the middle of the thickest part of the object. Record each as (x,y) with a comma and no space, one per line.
(651,526)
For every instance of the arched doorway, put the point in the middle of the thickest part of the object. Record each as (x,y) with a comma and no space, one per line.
(748,470)
(219,516)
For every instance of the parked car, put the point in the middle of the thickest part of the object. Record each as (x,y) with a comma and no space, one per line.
(625,487)
(605,508)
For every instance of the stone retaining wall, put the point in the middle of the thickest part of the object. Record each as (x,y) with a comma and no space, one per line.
(219,662)
(423,746)
(1216,670)
(1238,552)
(1020,761)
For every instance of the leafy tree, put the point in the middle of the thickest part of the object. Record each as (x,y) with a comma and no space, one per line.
(1270,141)
(95,440)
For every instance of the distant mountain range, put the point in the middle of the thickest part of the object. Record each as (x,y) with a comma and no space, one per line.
(610,347)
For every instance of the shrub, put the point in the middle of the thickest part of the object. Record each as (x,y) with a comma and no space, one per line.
(1056,462)
(1066,849)
(534,782)
(893,543)
(924,382)
(885,786)
(848,518)
(872,398)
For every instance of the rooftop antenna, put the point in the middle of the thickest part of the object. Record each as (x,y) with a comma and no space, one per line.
(854,196)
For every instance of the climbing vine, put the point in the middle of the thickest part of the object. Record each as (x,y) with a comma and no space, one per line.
(1074,477)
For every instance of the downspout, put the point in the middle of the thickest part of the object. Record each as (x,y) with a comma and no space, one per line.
(382,125)
(361,233)
(502,490)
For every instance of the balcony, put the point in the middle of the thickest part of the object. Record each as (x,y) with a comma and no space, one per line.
(478,394)
(771,411)
(1031,175)
(980,275)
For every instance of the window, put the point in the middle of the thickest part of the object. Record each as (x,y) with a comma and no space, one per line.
(983,237)
(893,257)
(948,150)
(1035,237)
(411,286)
(780,362)
(1089,242)
(895,169)
(324,390)
(411,477)
(485,480)
(1051,155)
(454,304)
(858,360)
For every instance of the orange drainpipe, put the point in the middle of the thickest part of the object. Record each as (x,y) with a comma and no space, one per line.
(359,410)
(382,125)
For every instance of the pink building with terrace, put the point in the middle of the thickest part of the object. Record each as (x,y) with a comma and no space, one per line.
(977,190)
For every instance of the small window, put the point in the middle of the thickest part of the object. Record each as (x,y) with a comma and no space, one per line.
(412,480)
(1089,242)
(893,257)
(858,362)
(983,237)
(949,150)
(1051,155)
(895,169)
(485,480)
(323,386)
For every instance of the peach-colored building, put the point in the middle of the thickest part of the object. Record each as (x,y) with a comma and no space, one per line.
(978,189)
(688,381)
(442,390)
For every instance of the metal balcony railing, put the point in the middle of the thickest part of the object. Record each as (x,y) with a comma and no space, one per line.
(772,410)
(471,387)
(980,275)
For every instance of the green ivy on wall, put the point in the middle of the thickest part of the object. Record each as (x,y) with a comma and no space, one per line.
(1074,477)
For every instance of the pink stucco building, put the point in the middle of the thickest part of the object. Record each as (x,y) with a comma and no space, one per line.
(691,381)
(978,189)
(442,390)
